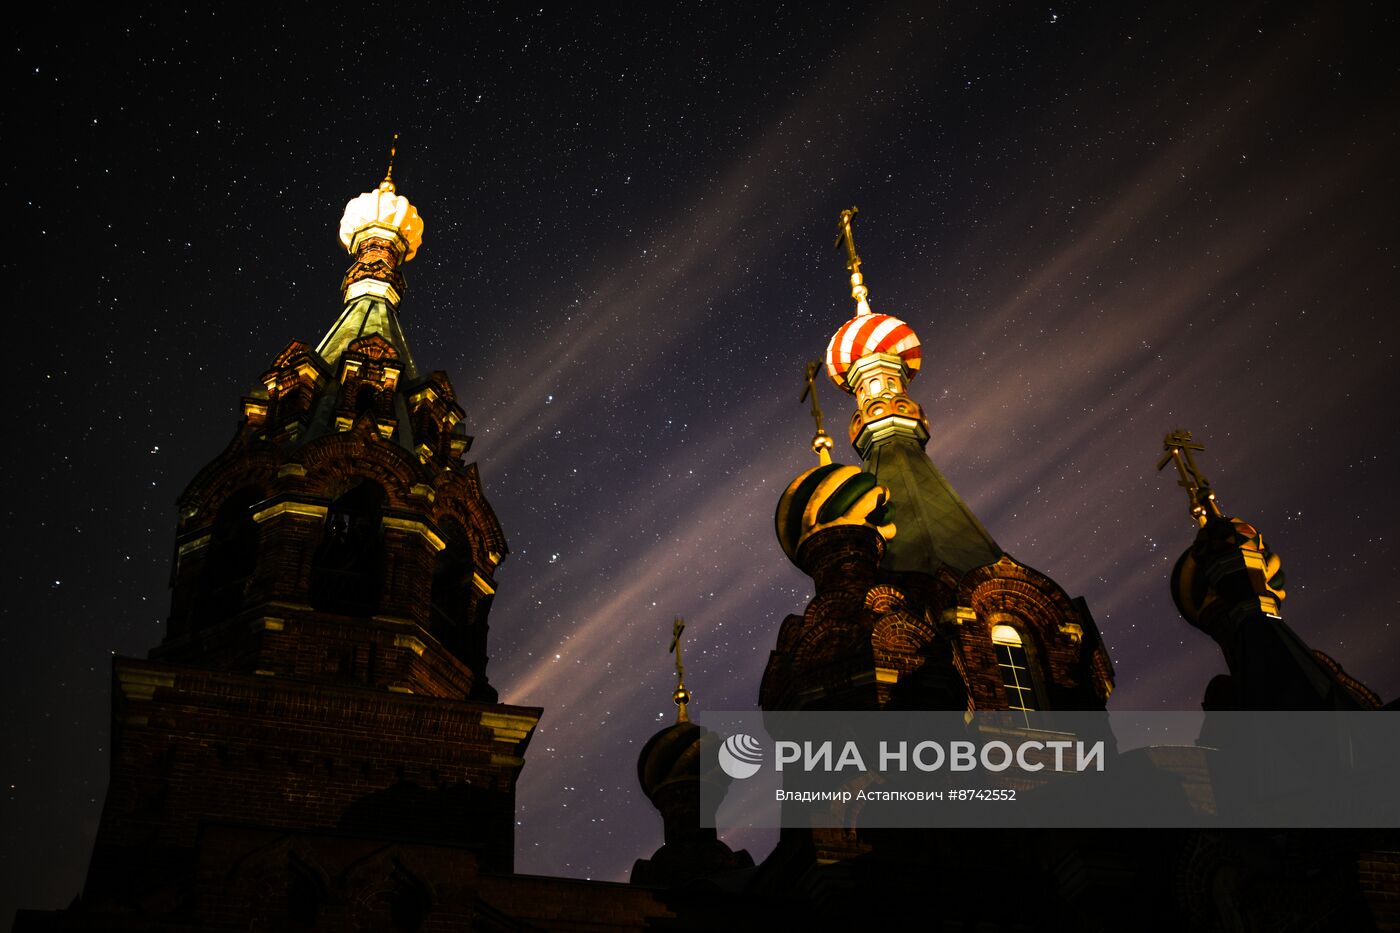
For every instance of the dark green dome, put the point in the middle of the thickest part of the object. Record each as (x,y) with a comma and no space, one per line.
(673,754)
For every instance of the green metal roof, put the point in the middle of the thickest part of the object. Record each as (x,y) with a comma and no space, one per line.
(363,316)
(934,527)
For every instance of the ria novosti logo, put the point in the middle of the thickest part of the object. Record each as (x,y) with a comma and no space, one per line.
(741,756)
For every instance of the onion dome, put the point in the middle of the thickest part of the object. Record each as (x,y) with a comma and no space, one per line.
(672,774)
(385,213)
(1224,545)
(382,230)
(828,495)
(1229,560)
(866,334)
(672,755)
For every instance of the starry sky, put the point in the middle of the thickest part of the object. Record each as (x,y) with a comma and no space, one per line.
(1104,222)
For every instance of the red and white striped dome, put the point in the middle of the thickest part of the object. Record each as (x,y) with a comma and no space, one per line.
(865,334)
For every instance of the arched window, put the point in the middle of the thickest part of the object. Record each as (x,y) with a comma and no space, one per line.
(1015,668)
(305,894)
(348,570)
(232,558)
(365,399)
(452,597)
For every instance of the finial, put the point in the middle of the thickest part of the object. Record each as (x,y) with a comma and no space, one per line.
(1179,449)
(388,183)
(858,290)
(681,696)
(821,441)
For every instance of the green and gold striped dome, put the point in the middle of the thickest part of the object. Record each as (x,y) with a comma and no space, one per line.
(828,495)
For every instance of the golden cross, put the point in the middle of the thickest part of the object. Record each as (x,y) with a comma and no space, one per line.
(858,290)
(821,441)
(677,628)
(1180,450)
(849,238)
(681,695)
(811,390)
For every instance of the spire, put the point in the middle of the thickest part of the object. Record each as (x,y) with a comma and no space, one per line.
(669,768)
(383,214)
(828,494)
(1230,584)
(821,441)
(681,696)
(874,357)
(1179,449)
(388,183)
(858,290)
(383,231)
(1241,544)
(866,333)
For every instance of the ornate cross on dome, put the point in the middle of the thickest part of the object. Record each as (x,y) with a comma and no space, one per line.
(847,237)
(858,290)
(821,441)
(682,695)
(1180,449)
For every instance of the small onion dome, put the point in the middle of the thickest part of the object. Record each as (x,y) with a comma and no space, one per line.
(827,495)
(386,210)
(673,754)
(1194,587)
(865,334)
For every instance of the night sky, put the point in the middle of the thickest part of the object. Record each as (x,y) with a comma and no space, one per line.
(1104,223)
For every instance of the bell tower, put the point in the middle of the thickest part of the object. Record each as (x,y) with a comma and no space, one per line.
(340,537)
(315,744)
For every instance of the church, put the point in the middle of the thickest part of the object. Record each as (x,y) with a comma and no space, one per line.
(316,744)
